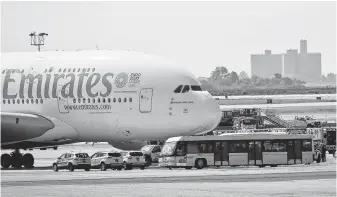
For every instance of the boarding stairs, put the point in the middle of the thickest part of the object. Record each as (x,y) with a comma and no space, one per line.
(272,117)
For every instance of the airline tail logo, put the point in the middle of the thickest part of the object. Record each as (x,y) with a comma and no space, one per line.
(48,85)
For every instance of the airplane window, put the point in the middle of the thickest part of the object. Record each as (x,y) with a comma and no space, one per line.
(83,100)
(88,70)
(45,70)
(93,100)
(13,101)
(18,101)
(23,101)
(83,69)
(4,101)
(69,69)
(88,100)
(3,72)
(32,101)
(22,71)
(178,89)
(36,101)
(186,89)
(103,100)
(74,69)
(119,100)
(64,70)
(9,101)
(41,101)
(27,101)
(196,88)
(98,100)
(79,100)
(74,100)
(114,100)
(78,70)
(130,100)
(124,100)
(50,70)
(93,70)
(109,100)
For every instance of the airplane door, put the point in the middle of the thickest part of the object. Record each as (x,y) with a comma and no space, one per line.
(62,102)
(145,100)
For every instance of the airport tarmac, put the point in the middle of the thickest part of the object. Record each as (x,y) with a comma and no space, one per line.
(297,180)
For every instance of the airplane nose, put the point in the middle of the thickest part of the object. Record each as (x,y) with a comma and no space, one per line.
(212,114)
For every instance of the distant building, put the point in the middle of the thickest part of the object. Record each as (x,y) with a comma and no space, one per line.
(266,65)
(304,66)
(291,63)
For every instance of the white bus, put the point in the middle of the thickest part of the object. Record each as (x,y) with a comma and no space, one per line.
(237,149)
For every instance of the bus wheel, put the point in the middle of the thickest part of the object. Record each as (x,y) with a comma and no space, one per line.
(188,167)
(273,165)
(200,163)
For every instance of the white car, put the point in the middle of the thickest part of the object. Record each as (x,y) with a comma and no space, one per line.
(104,160)
(72,161)
(133,159)
(151,153)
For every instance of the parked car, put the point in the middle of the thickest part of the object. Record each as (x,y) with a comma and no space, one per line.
(72,161)
(105,160)
(133,159)
(151,153)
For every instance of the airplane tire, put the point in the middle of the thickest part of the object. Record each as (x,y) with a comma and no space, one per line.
(6,160)
(17,160)
(28,160)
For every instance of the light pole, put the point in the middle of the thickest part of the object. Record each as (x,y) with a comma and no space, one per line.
(40,39)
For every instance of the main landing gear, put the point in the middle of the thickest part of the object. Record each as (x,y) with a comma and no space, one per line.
(17,160)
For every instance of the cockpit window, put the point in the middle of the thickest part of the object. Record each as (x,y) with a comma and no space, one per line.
(196,88)
(178,89)
(186,89)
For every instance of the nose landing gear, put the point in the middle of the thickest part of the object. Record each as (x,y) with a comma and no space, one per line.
(16,160)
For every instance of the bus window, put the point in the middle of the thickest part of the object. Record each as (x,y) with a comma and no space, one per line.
(210,147)
(278,146)
(307,146)
(202,148)
(192,148)
(181,149)
(267,146)
(238,147)
(298,147)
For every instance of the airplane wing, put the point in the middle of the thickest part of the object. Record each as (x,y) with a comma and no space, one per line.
(16,127)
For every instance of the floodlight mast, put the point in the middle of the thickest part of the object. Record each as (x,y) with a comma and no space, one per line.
(40,39)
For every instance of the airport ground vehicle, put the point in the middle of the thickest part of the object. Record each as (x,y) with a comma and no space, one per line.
(105,160)
(72,161)
(133,159)
(236,149)
(151,153)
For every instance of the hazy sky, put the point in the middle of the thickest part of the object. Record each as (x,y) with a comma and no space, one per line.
(201,35)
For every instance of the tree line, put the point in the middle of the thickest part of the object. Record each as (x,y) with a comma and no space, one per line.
(221,80)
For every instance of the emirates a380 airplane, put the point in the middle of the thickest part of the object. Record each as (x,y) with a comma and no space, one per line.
(56,97)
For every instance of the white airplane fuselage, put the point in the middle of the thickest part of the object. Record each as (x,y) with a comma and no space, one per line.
(104,96)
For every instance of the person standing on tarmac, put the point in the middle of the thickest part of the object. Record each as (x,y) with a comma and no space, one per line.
(323,153)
